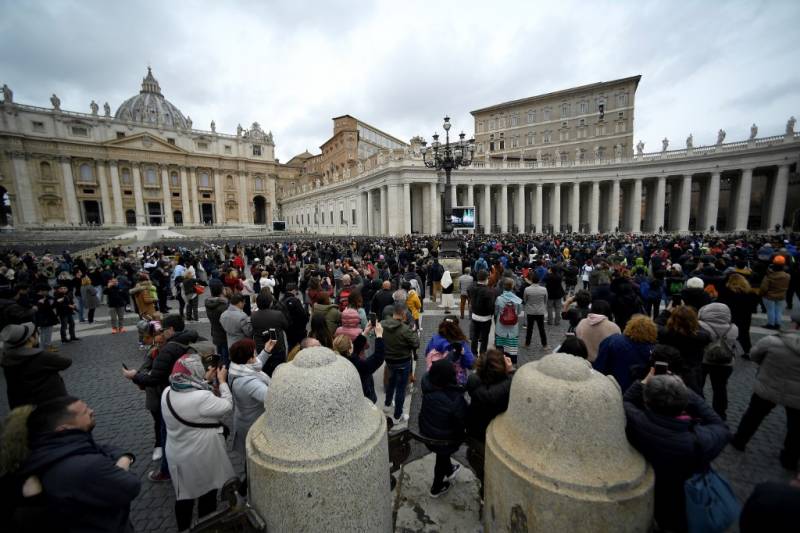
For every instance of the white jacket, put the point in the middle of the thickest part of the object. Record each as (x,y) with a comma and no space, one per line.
(198,460)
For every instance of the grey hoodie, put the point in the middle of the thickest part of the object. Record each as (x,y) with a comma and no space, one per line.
(236,324)
(715,319)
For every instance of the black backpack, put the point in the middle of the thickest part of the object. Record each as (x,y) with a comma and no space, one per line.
(718,352)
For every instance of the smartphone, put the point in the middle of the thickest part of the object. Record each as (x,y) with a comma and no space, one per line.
(661,367)
(215,359)
(373,319)
(125,366)
(273,334)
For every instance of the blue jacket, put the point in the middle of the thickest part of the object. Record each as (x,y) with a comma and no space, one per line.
(85,490)
(624,359)
(442,345)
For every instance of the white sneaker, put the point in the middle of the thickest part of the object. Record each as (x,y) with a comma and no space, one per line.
(399,422)
(388,409)
(158,453)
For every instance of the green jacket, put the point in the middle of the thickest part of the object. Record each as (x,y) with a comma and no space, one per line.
(399,341)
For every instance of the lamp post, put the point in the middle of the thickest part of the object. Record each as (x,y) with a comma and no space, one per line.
(448,157)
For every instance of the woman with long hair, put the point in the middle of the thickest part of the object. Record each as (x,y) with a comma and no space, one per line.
(683,333)
(319,330)
(742,300)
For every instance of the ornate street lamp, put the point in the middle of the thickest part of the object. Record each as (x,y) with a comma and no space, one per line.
(448,157)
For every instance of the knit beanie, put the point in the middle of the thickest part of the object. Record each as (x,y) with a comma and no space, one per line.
(694,283)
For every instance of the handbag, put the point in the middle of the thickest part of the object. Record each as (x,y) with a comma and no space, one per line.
(711,505)
(199,289)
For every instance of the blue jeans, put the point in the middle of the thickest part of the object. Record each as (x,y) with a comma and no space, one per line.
(774,311)
(222,351)
(45,336)
(398,378)
(81,309)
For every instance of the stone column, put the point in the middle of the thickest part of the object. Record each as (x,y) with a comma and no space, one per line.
(594,208)
(519,211)
(711,207)
(73,214)
(384,214)
(470,195)
(486,215)
(107,211)
(26,206)
(660,202)
(537,209)
(636,206)
(219,198)
(684,207)
(395,205)
(540,476)
(188,215)
(116,192)
(613,217)
(167,197)
(453,195)
(555,208)
(141,215)
(436,210)
(503,206)
(407,208)
(196,217)
(244,204)
(575,207)
(319,457)
(370,223)
(777,203)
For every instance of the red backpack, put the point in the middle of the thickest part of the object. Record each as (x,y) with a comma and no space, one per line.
(509,315)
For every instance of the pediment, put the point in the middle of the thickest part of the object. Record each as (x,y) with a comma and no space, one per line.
(145,141)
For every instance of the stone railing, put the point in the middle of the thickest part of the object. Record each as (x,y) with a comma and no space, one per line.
(383,159)
(90,116)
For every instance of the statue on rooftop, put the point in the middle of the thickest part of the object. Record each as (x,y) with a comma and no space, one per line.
(664,144)
(94,107)
(753,131)
(639,147)
(56,101)
(721,136)
(107,109)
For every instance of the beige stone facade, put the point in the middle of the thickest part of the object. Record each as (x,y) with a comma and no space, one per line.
(591,122)
(144,166)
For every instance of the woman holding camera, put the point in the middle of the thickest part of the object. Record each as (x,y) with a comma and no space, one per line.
(249,385)
(195,447)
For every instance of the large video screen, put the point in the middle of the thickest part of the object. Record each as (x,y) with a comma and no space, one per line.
(278,225)
(463,217)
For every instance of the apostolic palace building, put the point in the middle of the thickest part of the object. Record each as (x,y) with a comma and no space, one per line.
(562,161)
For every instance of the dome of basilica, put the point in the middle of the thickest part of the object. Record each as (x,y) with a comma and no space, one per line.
(149,107)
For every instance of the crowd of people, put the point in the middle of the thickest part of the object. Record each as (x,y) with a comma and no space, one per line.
(662,315)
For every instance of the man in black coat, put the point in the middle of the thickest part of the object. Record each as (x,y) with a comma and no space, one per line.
(297,316)
(32,375)
(382,299)
(177,340)
(80,484)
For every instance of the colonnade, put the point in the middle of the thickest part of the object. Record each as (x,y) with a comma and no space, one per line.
(675,202)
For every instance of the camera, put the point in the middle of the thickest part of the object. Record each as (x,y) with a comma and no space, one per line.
(661,368)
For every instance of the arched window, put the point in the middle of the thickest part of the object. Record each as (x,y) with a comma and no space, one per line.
(150,177)
(126,176)
(174,179)
(86,172)
(259,184)
(204,180)
(45,171)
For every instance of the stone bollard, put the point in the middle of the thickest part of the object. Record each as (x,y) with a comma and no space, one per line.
(318,459)
(558,458)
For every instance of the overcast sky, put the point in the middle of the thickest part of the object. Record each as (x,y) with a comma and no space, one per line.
(401,66)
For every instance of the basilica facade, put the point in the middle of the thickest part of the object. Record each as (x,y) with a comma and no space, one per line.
(144,165)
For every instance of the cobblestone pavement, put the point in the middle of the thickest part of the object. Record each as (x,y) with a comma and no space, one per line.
(95,376)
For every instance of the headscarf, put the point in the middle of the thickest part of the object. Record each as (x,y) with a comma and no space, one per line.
(189,374)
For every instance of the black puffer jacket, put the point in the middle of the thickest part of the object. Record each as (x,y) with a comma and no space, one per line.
(159,373)
(486,402)
(444,412)
(215,306)
(35,378)
(676,447)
